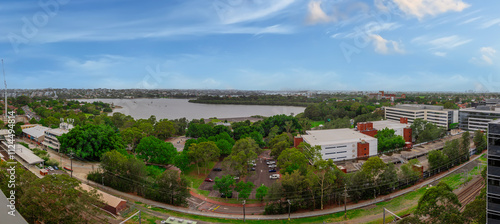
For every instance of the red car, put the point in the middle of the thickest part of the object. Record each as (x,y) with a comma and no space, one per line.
(209,180)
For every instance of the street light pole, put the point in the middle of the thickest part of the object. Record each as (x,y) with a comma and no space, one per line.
(289,204)
(244,210)
(345,201)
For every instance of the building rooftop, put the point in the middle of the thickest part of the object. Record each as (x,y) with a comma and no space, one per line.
(26,154)
(419,107)
(57,131)
(110,200)
(36,131)
(379,125)
(489,109)
(334,136)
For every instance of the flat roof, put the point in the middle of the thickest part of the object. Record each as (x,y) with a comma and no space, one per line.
(4,131)
(36,131)
(471,109)
(57,131)
(419,107)
(334,136)
(379,125)
(110,200)
(4,215)
(26,154)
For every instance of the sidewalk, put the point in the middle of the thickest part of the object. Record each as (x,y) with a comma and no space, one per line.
(224,203)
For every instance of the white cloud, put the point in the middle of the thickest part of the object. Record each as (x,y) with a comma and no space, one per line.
(383,46)
(422,8)
(316,14)
(440,54)
(470,20)
(490,23)
(243,11)
(448,42)
(487,53)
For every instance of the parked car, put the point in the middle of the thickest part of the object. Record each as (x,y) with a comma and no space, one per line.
(50,168)
(217,169)
(274,176)
(271,162)
(209,180)
(272,166)
(55,167)
(236,178)
(272,170)
(251,169)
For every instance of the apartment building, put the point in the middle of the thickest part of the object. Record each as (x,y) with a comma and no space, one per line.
(434,114)
(51,141)
(493,173)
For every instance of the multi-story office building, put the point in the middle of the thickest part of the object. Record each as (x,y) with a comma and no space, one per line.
(51,141)
(493,173)
(435,114)
(477,118)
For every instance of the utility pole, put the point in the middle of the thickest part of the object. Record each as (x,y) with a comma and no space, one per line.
(71,157)
(244,210)
(102,180)
(345,201)
(289,204)
(140,219)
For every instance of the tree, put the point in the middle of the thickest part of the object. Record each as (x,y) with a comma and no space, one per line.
(324,176)
(440,204)
(244,151)
(244,189)
(423,131)
(261,192)
(479,141)
(388,140)
(121,172)
(59,199)
(407,172)
(164,129)
(154,150)
(204,152)
(313,154)
(451,149)
(437,160)
(132,136)
(172,188)
(224,146)
(292,159)
(475,212)
(465,145)
(182,161)
(91,141)
(224,185)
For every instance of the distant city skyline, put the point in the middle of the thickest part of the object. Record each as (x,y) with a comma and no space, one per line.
(391,45)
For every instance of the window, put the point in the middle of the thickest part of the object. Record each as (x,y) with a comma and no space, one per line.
(342,157)
(330,153)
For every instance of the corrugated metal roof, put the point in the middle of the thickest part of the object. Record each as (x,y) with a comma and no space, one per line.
(36,132)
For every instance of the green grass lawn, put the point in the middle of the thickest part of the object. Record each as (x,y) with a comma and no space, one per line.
(196,180)
(88,115)
(316,123)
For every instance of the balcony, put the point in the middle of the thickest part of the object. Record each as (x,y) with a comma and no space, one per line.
(493,206)
(494,150)
(492,189)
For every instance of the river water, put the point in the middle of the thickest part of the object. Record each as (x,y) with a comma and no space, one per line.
(179,108)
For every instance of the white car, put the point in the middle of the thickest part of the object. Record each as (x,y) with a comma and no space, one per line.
(236,178)
(271,162)
(272,166)
(274,176)
(50,168)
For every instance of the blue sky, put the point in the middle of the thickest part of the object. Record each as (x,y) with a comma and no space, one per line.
(405,45)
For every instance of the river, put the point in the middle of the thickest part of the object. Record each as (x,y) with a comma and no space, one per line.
(179,108)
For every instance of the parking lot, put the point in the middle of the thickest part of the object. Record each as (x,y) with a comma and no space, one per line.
(258,177)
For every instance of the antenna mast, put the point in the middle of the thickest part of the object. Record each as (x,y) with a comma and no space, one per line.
(5,82)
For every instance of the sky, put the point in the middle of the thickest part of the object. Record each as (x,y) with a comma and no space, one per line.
(391,45)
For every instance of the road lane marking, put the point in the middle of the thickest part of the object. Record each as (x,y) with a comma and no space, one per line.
(216,208)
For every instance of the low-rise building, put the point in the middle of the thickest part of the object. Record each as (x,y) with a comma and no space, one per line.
(401,128)
(113,204)
(51,141)
(35,134)
(341,144)
(434,114)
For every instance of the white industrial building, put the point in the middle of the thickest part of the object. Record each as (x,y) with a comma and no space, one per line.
(342,144)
